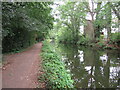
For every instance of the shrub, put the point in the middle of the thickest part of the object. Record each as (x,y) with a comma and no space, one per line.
(101,44)
(115,38)
(83,40)
(55,75)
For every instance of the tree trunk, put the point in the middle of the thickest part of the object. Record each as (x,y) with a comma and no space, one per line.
(109,17)
(98,28)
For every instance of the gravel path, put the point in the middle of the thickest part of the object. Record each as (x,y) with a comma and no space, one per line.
(21,70)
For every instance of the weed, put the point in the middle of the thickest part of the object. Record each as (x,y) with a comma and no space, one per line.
(56,76)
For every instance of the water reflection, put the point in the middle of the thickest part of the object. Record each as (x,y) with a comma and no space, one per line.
(91,67)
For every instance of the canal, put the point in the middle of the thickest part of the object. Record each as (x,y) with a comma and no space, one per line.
(90,67)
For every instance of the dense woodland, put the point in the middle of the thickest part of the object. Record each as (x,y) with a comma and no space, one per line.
(23,24)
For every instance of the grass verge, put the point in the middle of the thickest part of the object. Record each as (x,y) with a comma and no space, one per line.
(55,74)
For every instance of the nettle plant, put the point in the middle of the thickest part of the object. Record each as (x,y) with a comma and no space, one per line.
(56,74)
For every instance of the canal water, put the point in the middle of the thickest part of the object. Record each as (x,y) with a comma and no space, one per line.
(90,67)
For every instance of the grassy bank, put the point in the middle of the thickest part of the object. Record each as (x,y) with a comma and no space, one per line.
(55,74)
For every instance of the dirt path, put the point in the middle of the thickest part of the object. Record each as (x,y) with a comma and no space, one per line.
(21,70)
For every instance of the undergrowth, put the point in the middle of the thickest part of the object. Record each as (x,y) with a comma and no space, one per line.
(56,75)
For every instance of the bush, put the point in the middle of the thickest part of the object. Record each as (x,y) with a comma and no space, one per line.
(83,40)
(66,37)
(55,75)
(115,38)
(101,44)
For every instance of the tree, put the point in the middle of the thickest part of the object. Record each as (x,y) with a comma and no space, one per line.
(115,7)
(72,16)
(23,23)
(108,18)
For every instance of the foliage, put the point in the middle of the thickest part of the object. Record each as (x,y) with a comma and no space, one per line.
(83,40)
(116,8)
(65,36)
(115,38)
(56,75)
(72,16)
(101,44)
(23,23)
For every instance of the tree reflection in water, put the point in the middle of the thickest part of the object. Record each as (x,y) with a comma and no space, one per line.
(91,68)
